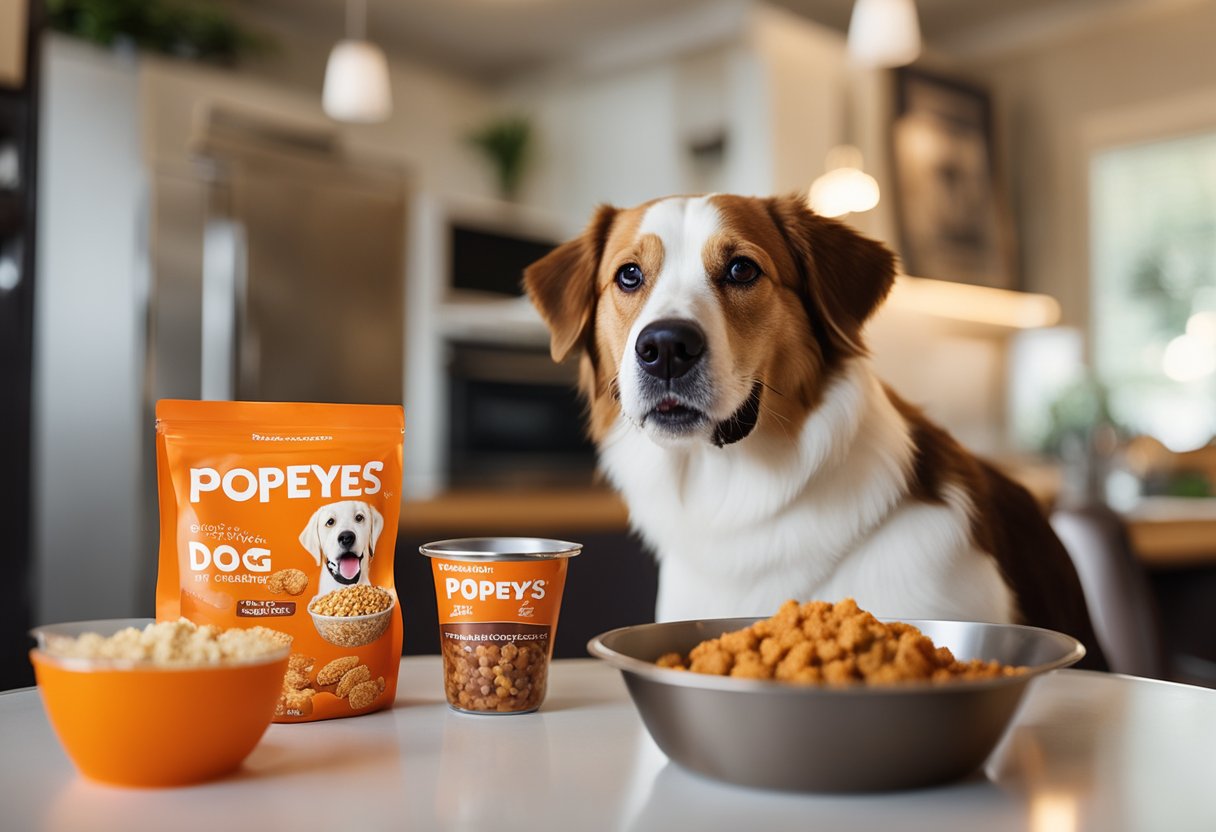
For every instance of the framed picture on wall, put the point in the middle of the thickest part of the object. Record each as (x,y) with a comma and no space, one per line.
(13,35)
(949,207)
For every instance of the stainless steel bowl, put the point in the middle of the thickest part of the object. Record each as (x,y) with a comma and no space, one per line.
(822,739)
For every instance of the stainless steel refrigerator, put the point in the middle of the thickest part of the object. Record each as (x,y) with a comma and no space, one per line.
(276,273)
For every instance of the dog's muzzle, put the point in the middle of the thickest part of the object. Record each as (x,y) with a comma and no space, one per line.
(346,569)
(670,351)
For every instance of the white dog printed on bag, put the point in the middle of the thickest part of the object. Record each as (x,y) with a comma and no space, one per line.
(342,537)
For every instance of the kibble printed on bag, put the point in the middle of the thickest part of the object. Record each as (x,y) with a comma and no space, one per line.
(284,516)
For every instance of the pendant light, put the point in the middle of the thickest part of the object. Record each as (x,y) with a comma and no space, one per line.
(845,188)
(884,33)
(356,76)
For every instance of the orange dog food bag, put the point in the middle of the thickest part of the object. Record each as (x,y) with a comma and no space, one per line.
(285,516)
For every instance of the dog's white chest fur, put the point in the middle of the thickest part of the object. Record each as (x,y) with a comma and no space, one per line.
(738,530)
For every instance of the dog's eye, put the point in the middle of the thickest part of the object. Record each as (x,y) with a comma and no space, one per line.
(329,522)
(358,518)
(742,270)
(629,277)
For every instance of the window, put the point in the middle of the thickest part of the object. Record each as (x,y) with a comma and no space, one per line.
(1153,284)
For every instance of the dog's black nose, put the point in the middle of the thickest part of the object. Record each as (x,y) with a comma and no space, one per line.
(669,348)
(346,539)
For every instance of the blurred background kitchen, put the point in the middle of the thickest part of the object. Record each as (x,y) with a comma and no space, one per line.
(332,201)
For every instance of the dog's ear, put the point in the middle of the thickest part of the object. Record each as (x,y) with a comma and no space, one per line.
(377,524)
(562,283)
(846,275)
(310,538)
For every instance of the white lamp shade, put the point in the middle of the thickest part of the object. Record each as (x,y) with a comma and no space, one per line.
(884,33)
(356,83)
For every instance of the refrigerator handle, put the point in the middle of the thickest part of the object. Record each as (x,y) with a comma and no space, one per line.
(223,283)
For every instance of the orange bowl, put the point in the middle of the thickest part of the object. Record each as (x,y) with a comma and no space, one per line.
(140,724)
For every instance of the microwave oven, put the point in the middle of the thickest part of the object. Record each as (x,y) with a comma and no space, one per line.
(490,260)
(515,419)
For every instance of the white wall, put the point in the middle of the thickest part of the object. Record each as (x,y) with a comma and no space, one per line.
(775,82)
(87,337)
(425,134)
(433,109)
(615,126)
(805,81)
(603,140)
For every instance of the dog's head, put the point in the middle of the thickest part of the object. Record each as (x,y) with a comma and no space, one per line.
(699,319)
(341,535)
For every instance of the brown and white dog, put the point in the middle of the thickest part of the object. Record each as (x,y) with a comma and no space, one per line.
(736,411)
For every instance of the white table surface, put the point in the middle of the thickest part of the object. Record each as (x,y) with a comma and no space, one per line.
(1087,751)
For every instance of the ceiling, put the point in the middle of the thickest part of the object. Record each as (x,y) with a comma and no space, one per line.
(941,21)
(490,39)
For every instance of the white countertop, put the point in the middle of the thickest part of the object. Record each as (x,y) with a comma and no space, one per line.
(1087,751)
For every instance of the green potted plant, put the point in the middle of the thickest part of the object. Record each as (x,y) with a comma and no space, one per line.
(505,142)
(183,28)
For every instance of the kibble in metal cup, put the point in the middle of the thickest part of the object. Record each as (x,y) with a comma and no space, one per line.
(498,600)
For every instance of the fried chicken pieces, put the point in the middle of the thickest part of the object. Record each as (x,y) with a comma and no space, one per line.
(834,644)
